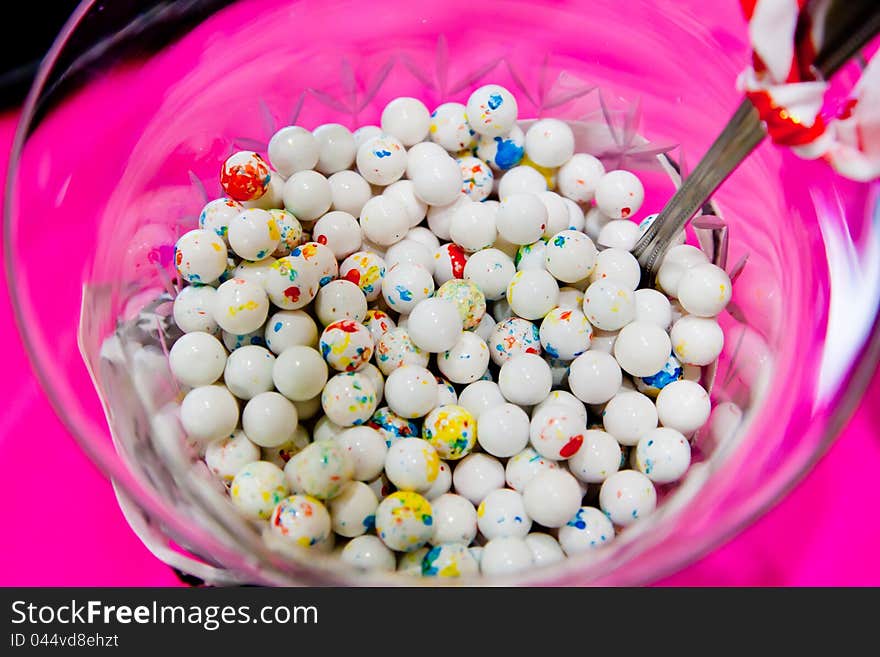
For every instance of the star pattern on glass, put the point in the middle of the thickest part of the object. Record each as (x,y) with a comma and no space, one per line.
(355,95)
(438,79)
(547,94)
(628,149)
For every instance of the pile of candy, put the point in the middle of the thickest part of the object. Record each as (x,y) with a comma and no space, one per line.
(488,391)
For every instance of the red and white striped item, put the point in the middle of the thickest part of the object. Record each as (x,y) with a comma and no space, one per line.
(781,82)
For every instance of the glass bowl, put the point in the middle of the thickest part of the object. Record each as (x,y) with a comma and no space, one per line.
(120,143)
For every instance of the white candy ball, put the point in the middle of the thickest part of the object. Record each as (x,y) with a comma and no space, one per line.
(502,152)
(410,391)
(503,429)
(436,178)
(381,160)
(293,149)
(525,379)
(502,513)
(353,511)
(455,520)
(491,270)
(522,218)
(587,530)
(532,293)
(340,300)
(466,361)
(505,555)
(552,497)
(321,469)
(410,252)
(404,521)
(609,305)
(627,496)
(395,349)
(194,309)
(549,143)
(442,484)
(594,377)
(491,110)
(653,307)
(440,217)
(208,413)
(472,227)
(704,290)
(368,554)
(565,333)
(619,194)
(477,475)
(197,359)
(384,220)
(253,234)
(663,455)
(225,457)
(269,419)
(349,192)
(366,448)
(200,256)
(336,146)
(684,406)
(697,340)
(405,285)
(292,282)
(641,348)
(407,119)
(435,325)
(570,256)
(307,195)
(597,459)
(240,306)
(521,180)
(340,232)
(557,431)
(545,549)
(578,178)
(365,133)
(248,371)
(566,399)
(617,265)
(299,373)
(619,234)
(449,127)
(628,416)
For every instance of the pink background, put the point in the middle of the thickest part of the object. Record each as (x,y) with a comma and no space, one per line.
(824,533)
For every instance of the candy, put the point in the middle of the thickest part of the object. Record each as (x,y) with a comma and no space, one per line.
(244,176)
(366,270)
(411,391)
(597,459)
(503,513)
(435,324)
(512,337)
(468,299)
(532,293)
(288,328)
(257,488)
(248,371)
(217,214)
(502,152)
(525,379)
(663,455)
(556,431)
(269,419)
(587,530)
(293,149)
(208,413)
(302,520)
(545,549)
(609,305)
(704,290)
(405,285)
(349,398)
(368,554)
(407,119)
(449,561)
(683,405)
(349,192)
(353,510)
(477,475)
(627,496)
(466,361)
(194,309)
(505,555)
(451,430)
(455,520)
(391,426)
(565,333)
(628,416)
(366,449)
(197,359)
(225,457)
(579,176)
(346,345)
(490,270)
(549,142)
(384,220)
(570,256)
(619,194)
(336,148)
(449,127)
(404,521)
(552,497)
(299,373)
(642,348)
(503,430)
(307,195)
(491,110)
(697,340)
(472,226)
(200,256)
(381,160)
(321,470)
(476,178)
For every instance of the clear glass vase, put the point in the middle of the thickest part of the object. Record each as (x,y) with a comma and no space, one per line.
(120,143)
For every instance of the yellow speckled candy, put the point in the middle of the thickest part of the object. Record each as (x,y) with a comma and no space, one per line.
(405,521)
(452,430)
(449,560)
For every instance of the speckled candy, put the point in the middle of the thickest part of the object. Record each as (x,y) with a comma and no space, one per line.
(404,521)
(366,270)
(392,426)
(244,176)
(319,470)
(449,560)
(349,399)
(346,345)
(301,519)
(257,488)
(452,430)
(395,349)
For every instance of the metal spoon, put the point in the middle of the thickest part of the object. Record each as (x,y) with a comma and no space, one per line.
(849,26)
